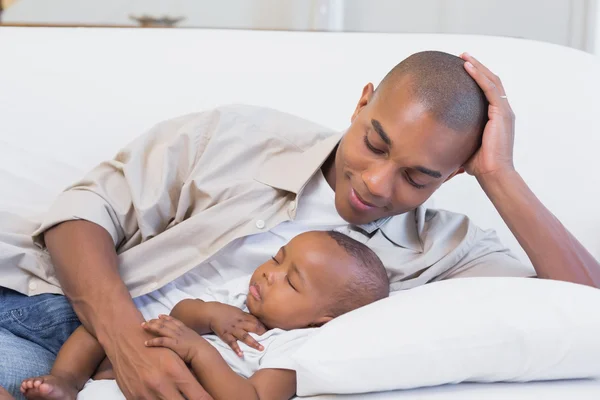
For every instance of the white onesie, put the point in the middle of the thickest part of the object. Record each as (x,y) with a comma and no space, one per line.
(279,345)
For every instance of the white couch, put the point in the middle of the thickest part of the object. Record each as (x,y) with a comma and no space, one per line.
(70,98)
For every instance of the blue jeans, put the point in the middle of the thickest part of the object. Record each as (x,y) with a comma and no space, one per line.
(32,330)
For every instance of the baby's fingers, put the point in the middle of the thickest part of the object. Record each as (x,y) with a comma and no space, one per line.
(167,342)
(160,327)
(232,342)
(254,325)
(245,337)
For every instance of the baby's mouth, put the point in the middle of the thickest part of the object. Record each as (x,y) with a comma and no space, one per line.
(255,291)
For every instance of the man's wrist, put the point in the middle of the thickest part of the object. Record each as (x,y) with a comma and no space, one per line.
(121,324)
(497,177)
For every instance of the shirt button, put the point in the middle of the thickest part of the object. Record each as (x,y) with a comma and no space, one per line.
(292,206)
(260,224)
(32,285)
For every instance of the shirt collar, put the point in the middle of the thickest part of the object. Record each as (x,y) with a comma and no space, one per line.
(405,230)
(292,169)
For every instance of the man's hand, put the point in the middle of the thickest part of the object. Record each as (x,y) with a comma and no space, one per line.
(173,334)
(496,152)
(144,373)
(232,324)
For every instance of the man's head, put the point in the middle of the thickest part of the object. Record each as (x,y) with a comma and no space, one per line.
(316,277)
(413,133)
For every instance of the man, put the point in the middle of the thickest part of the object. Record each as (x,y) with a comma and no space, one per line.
(209,195)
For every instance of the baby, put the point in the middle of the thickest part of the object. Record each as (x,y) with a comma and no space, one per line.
(316,277)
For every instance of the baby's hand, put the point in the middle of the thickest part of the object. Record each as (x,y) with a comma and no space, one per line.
(232,324)
(173,334)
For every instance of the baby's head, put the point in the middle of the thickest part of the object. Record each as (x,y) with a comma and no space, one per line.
(316,277)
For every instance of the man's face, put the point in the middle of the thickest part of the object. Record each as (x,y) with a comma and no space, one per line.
(293,290)
(393,156)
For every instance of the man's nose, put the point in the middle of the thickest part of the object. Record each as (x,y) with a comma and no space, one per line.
(379,180)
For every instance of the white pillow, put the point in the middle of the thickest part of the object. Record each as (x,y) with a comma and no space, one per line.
(472,329)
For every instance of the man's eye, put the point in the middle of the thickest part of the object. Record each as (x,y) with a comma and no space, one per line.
(413,183)
(371,147)
(275,260)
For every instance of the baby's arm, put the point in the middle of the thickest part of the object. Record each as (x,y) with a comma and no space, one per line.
(195,314)
(222,383)
(228,322)
(213,373)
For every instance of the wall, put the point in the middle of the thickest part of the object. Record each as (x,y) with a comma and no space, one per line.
(566,22)
(594,23)
(563,22)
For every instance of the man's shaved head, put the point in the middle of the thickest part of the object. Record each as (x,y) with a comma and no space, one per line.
(439,81)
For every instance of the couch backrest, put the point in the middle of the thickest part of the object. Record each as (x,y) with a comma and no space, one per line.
(77,95)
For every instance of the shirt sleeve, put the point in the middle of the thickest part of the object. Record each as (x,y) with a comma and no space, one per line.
(278,354)
(137,192)
(488,257)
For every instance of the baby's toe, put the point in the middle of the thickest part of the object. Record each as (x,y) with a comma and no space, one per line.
(45,388)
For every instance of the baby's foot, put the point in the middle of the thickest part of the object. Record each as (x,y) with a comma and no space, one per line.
(48,387)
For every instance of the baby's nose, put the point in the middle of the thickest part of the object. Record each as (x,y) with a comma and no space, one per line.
(270,277)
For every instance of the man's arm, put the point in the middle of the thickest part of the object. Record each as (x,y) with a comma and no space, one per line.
(85,260)
(553,251)
(123,201)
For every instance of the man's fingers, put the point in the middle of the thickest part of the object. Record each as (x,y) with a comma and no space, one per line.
(485,70)
(192,389)
(245,337)
(168,394)
(490,89)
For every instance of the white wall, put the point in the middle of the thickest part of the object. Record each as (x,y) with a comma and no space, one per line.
(571,23)
(594,23)
(562,22)
(258,14)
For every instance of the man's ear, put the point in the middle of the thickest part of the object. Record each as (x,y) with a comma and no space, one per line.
(320,322)
(459,171)
(365,98)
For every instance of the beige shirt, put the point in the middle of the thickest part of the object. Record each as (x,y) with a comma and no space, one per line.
(177,195)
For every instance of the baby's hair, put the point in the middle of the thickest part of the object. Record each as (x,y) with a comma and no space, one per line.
(368,280)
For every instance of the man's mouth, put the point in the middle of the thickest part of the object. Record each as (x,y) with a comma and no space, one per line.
(254,290)
(358,203)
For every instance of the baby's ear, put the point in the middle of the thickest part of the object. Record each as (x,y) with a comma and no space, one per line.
(320,322)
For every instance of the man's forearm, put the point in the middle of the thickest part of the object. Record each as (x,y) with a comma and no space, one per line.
(554,252)
(217,377)
(85,261)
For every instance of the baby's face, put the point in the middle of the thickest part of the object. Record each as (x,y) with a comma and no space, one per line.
(295,288)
